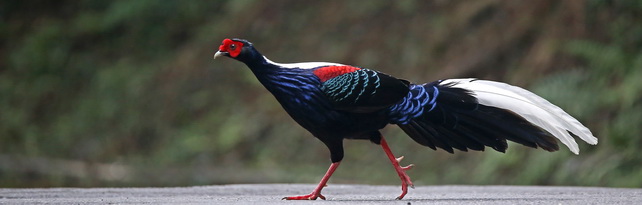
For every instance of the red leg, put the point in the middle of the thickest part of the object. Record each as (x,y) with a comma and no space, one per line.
(317,191)
(401,171)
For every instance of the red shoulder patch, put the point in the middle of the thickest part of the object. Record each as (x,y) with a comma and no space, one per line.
(329,72)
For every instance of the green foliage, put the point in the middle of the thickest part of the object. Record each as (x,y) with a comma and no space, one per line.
(607,88)
(125,93)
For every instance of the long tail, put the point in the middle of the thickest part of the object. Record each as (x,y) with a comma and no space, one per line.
(471,114)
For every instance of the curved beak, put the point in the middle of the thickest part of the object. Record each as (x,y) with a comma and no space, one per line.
(219,53)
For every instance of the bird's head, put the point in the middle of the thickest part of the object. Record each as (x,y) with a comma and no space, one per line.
(238,49)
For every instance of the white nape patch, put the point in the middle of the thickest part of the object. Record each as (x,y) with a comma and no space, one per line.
(306,65)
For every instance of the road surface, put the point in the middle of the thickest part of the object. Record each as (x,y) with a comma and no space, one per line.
(335,193)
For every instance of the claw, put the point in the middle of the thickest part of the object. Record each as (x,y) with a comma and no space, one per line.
(399,159)
(410,166)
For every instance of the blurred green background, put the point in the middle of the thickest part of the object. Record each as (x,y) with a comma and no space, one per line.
(125,93)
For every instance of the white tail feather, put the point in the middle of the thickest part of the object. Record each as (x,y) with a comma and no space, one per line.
(531,107)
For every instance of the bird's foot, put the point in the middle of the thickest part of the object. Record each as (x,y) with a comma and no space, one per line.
(405,179)
(316,193)
(312,196)
(401,171)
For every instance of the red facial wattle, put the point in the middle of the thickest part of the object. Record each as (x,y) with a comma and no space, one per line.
(233,48)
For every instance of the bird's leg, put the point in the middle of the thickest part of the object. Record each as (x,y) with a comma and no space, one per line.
(317,191)
(401,171)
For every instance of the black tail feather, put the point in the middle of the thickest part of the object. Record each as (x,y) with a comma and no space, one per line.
(463,138)
(458,121)
(518,129)
(423,138)
(445,138)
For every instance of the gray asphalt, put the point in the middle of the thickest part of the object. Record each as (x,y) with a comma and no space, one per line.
(335,193)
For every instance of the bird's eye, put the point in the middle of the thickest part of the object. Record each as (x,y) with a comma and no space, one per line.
(233,47)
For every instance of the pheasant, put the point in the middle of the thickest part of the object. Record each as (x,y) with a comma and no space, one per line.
(336,102)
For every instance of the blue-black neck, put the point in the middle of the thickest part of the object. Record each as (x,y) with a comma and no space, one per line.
(296,89)
(280,80)
(268,73)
